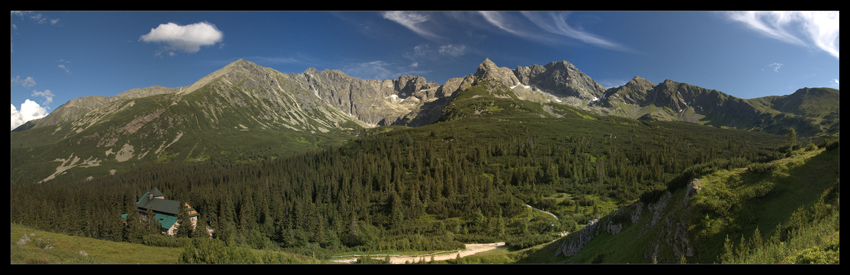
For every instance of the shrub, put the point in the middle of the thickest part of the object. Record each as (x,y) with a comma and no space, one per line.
(164,241)
(816,255)
(526,241)
(761,168)
(652,195)
(811,147)
(830,145)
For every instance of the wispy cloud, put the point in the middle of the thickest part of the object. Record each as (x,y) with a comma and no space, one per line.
(814,29)
(37,17)
(62,66)
(26,82)
(188,38)
(775,66)
(412,21)
(48,96)
(549,23)
(510,24)
(556,22)
(453,50)
(424,52)
(379,70)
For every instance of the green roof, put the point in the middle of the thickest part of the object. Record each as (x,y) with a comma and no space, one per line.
(165,221)
(161,206)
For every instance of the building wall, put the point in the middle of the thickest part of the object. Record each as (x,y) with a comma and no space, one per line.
(173,230)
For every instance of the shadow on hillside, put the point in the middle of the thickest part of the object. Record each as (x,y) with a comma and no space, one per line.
(429,113)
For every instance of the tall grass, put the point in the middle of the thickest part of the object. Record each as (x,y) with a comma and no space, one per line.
(66,250)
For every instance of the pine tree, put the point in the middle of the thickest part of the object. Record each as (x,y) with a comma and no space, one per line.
(184,227)
(200,229)
(152,224)
(756,241)
(743,250)
(601,170)
(728,253)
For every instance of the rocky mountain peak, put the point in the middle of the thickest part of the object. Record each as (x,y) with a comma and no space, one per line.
(640,84)
(559,65)
(489,70)
(560,79)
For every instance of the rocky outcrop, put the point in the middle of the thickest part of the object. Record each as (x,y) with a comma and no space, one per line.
(562,79)
(691,190)
(575,241)
(489,70)
(662,225)
(633,93)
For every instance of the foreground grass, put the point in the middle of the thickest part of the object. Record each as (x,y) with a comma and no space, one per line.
(66,250)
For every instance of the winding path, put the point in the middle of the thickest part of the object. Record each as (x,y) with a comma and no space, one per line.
(544,211)
(439,256)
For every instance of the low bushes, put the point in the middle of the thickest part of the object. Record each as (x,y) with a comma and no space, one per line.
(761,168)
(526,241)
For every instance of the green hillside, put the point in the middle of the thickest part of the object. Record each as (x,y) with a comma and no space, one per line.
(56,248)
(783,211)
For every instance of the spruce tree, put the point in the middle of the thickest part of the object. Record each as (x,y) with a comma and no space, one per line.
(184,227)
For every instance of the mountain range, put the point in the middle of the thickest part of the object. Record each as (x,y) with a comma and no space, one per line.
(244,107)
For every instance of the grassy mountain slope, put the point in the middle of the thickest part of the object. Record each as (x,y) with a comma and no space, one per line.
(237,114)
(810,111)
(65,249)
(784,211)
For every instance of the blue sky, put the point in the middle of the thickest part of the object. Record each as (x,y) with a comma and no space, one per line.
(57,56)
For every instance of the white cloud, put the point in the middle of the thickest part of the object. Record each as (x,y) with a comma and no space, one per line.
(62,66)
(412,21)
(39,18)
(453,50)
(835,83)
(369,70)
(48,96)
(188,38)
(776,66)
(379,70)
(815,29)
(29,111)
(26,82)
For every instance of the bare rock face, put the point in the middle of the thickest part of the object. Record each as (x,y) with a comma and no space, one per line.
(375,102)
(456,84)
(634,92)
(489,70)
(560,78)
(693,188)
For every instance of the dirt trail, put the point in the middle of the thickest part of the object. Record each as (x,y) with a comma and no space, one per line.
(400,259)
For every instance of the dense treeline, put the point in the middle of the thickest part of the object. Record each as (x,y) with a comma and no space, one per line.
(427,188)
